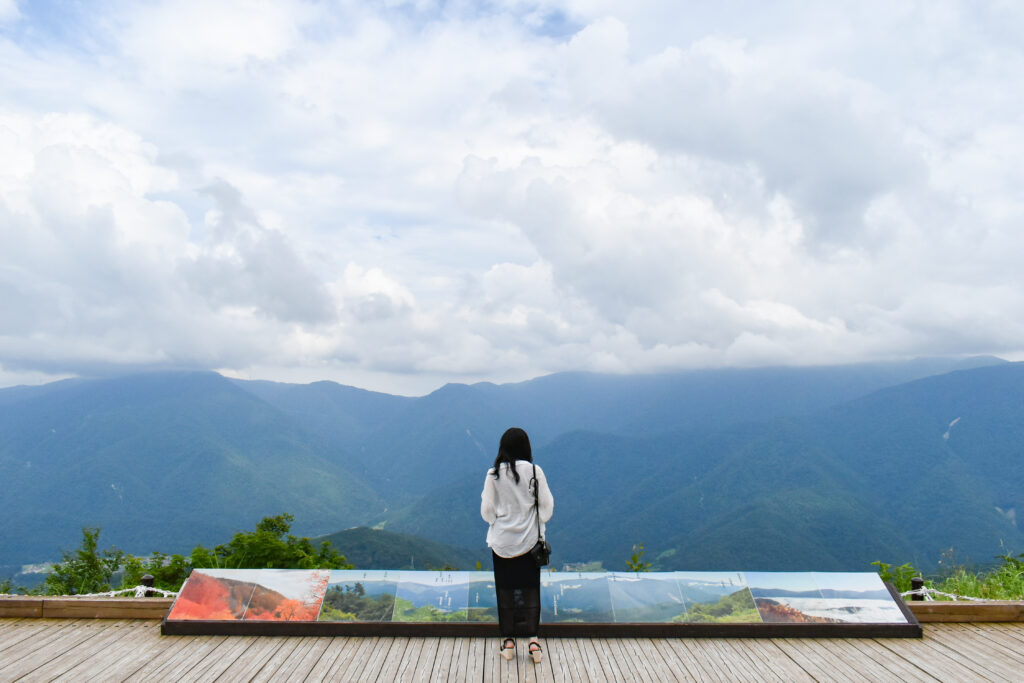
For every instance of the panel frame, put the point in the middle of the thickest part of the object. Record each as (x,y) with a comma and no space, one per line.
(911,629)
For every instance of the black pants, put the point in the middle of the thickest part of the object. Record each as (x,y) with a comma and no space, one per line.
(517,583)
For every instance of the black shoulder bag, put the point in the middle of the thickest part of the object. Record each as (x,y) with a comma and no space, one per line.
(541,551)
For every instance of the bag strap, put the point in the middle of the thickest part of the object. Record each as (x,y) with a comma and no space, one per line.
(536,499)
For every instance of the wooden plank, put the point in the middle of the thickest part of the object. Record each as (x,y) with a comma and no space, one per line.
(582,666)
(698,666)
(137,641)
(968,611)
(406,667)
(558,661)
(20,629)
(377,657)
(336,647)
(1013,631)
(986,638)
(768,652)
(428,657)
(935,647)
(934,663)
(900,668)
(528,671)
(443,661)
(606,658)
(104,608)
(53,661)
(38,653)
(634,658)
(733,667)
(656,662)
(855,658)
(112,649)
(475,662)
(388,669)
(148,670)
(20,607)
(253,659)
(593,666)
(981,655)
(677,659)
(457,668)
(709,658)
(146,648)
(111,641)
(182,661)
(630,660)
(58,634)
(755,669)
(301,668)
(811,660)
(489,658)
(300,660)
(504,670)
(98,656)
(351,661)
(210,667)
(272,665)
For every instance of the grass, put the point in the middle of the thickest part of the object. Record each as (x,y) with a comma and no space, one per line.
(1004,582)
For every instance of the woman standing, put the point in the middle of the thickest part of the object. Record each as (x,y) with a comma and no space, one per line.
(507,504)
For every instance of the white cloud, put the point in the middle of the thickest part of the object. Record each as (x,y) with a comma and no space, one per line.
(402,194)
(9,11)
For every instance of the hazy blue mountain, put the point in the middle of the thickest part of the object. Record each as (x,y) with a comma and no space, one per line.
(772,468)
(880,477)
(160,461)
(398,442)
(367,548)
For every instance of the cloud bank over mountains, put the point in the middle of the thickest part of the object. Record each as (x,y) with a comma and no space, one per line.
(400,194)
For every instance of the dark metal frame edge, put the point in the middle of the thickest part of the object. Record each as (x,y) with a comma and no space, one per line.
(912,629)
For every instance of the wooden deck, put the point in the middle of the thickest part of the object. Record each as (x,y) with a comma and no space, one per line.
(133,649)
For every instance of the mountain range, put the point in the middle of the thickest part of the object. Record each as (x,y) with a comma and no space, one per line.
(823,468)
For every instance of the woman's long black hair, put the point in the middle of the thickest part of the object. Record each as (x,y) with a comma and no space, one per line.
(515,445)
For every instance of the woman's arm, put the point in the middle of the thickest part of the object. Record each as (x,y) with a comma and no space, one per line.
(545,501)
(488,499)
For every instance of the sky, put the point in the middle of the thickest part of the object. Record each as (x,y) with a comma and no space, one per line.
(404,193)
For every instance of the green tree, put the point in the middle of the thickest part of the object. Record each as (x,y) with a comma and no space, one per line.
(636,561)
(85,570)
(168,572)
(270,546)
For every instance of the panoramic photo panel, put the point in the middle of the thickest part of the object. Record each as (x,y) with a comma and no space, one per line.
(716,597)
(858,597)
(575,597)
(213,595)
(642,597)
(250,595)
(788,597)
(432,596)
(483,601)
(359,595)
(287,594)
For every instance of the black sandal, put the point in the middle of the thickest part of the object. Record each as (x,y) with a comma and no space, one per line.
(536,652)
(508,651)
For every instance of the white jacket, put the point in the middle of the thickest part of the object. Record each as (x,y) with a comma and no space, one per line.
(508,508)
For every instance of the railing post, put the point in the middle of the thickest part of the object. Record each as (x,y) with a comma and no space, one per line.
(147,581)
(917,583)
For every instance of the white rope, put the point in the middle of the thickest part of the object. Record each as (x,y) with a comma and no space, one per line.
(927,594)
(138,592)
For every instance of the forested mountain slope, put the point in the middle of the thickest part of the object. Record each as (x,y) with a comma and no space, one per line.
(161,461)
(881,477)
(771,468)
